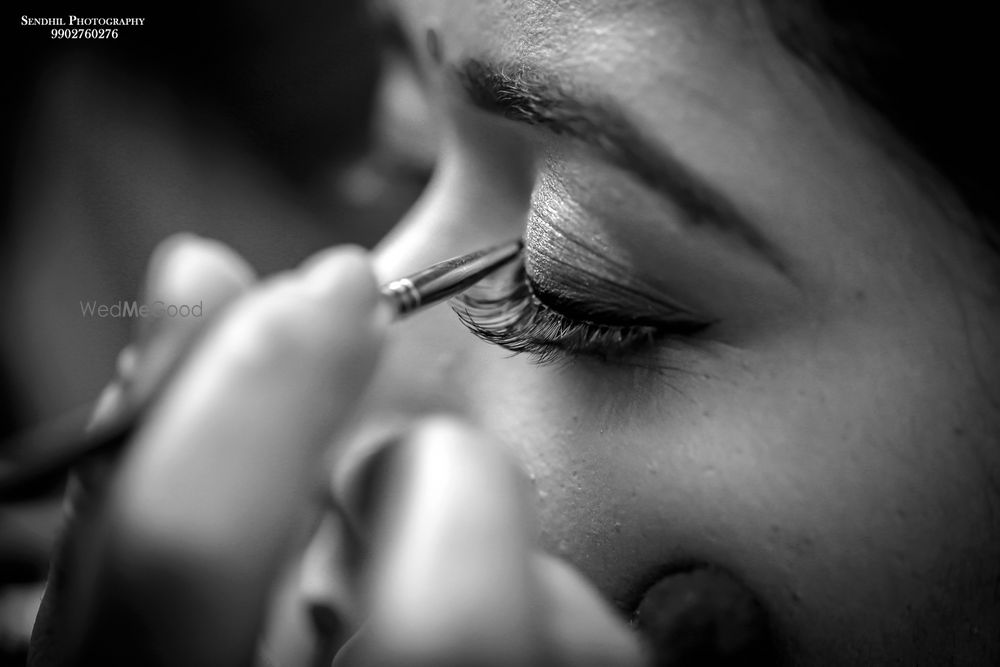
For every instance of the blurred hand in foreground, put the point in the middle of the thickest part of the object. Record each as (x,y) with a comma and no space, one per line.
(173,551)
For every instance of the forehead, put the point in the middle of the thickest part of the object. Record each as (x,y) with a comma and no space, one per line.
(590,31)
(685,70)
(710,81)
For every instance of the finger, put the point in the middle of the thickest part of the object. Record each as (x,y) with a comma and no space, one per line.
(186,274)
(218,480)
(452,585)
(41,453)
(582,629)
(183,269)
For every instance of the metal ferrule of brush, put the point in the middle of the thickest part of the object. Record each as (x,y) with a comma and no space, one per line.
(446,279)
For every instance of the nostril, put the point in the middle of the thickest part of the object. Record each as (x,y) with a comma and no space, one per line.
(330,630)
(705,617)
(360,473)
(327,603)
(369,483)
(324,619)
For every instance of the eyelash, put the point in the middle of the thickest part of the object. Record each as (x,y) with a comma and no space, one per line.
(512,315)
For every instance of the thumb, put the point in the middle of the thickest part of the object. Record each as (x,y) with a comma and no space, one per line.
(583,629)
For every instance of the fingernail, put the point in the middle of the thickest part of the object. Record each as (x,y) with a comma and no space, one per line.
(109,404)
(170,266)
(164,253)
(126,362)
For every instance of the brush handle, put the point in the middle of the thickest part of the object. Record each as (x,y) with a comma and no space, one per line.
(41,457)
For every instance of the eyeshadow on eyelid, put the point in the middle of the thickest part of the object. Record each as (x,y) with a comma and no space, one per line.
(586,277)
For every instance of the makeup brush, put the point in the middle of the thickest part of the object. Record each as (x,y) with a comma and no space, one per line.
(446,279)
(45,454)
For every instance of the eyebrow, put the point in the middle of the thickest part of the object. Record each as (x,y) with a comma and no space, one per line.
(529,95)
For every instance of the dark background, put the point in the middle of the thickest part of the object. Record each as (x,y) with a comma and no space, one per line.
(278,128)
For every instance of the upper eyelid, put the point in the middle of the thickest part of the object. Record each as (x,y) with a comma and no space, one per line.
(553,252)
(533,96)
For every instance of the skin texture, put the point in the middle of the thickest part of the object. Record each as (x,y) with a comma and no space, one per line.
(829,442)
(832,441)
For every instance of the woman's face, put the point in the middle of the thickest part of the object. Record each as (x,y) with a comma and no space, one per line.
(828,437)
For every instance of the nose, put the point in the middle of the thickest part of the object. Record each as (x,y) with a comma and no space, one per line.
(428,356)
(421,369)
(424,358)
(329,610)
(478,197)
(430,363)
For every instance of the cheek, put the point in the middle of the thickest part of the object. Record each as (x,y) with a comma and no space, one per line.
(830,500)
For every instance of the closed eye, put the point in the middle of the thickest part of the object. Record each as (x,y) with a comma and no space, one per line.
(508,309)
